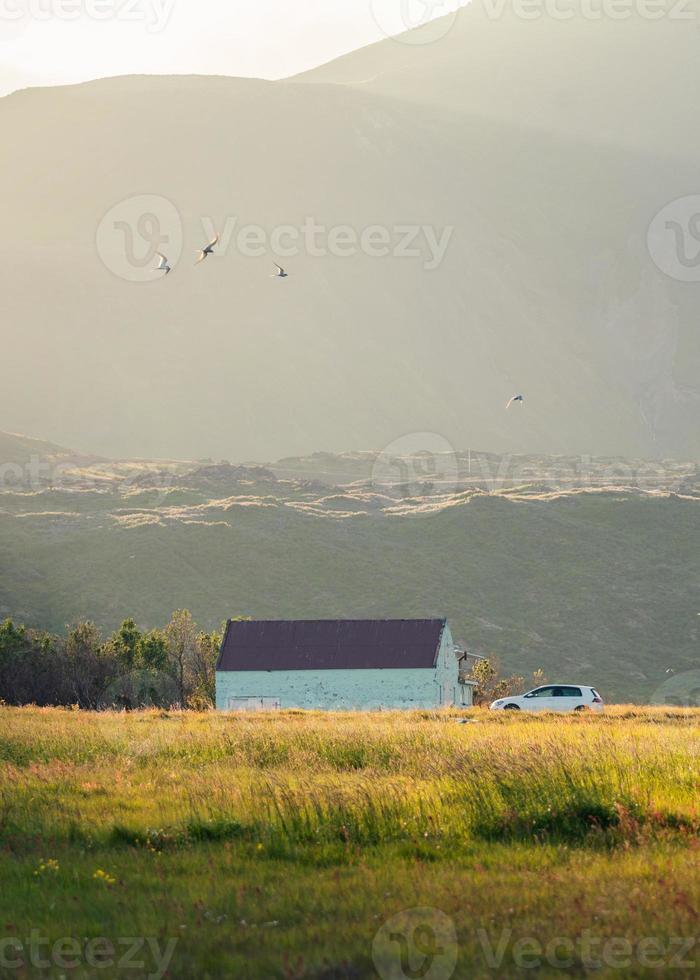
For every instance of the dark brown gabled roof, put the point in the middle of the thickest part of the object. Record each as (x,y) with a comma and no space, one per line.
(330,644)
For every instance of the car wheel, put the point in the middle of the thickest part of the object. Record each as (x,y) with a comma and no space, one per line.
(512,707)
(582,707)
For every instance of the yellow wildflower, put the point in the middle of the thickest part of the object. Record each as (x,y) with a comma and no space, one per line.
(104,876)
(50,866)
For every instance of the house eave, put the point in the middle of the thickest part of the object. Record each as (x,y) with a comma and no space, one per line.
(222,645)
(287,670)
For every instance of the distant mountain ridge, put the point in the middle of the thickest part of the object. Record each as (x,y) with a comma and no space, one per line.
(18,452)
(525,138)
(568,68)
(17,448)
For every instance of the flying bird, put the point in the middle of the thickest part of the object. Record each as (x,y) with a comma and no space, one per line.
(514,399)
(202,253)
(280,274)
(163,265)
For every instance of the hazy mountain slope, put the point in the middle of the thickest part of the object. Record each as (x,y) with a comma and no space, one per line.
(565,67)
(27,463)
(546,286)
(599,586)
(16,448)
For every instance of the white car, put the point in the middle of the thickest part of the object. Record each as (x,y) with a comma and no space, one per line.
(553,697)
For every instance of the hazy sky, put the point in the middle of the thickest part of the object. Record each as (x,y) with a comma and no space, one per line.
(45,42)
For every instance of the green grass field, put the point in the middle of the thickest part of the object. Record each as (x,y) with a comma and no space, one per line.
(340,846)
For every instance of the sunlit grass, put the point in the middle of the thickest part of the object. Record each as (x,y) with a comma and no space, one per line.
(124,821)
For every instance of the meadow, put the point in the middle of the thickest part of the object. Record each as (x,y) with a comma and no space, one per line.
(302,844)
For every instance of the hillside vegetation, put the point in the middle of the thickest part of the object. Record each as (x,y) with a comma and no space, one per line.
(595,583)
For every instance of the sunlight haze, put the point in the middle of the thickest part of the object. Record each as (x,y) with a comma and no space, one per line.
(349,489)
(248,38)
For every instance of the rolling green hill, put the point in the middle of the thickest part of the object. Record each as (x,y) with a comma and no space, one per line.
(596,583)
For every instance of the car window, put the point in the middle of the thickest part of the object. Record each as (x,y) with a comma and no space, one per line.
(568,692)
(542,692)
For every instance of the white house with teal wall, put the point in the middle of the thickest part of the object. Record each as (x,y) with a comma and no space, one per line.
(339,664)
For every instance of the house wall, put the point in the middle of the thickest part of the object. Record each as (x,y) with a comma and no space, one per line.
(349,689)
(447,672)
(332,689)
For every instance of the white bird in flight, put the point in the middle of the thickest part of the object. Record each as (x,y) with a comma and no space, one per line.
(163,264)
(516,398)
(280,274)
(202,253)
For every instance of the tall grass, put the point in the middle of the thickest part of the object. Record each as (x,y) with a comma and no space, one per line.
(285,780)
(277,845)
